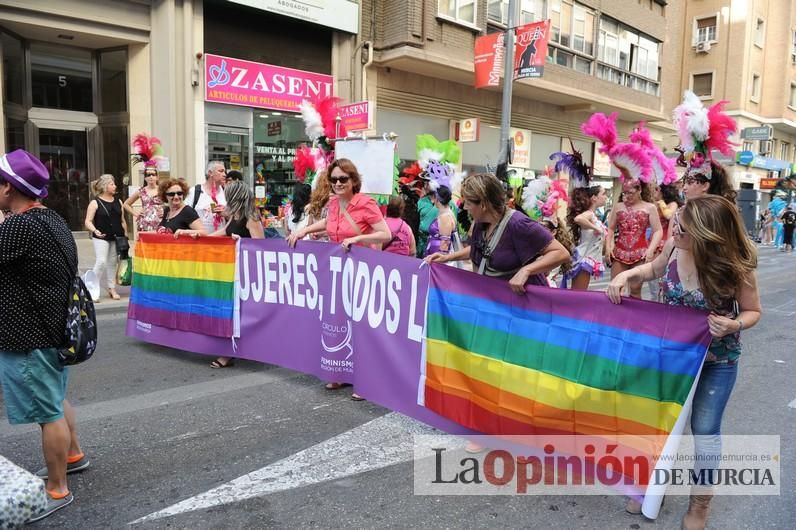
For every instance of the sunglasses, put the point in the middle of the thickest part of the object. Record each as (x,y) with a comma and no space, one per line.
(341,180)
(174,194)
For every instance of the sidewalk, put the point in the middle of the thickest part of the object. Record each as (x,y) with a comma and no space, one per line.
(85,261)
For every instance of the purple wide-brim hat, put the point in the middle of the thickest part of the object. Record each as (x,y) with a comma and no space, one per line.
(25,172)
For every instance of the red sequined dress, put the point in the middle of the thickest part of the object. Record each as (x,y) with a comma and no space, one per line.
(631,244)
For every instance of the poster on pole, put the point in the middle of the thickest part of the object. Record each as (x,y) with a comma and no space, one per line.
(530,49)
(488,60)
(375,161)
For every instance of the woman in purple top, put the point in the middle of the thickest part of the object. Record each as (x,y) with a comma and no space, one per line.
(505,243)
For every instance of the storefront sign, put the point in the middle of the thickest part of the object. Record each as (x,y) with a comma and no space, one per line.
(488,59)
(602,164)
(747,158)
(530,49)
(357,116)
(337,14)
(757,133)
(468,130)
(522,148)
(238,82)
(768,184)
(274,128)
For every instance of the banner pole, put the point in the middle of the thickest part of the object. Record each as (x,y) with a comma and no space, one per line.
(508,81)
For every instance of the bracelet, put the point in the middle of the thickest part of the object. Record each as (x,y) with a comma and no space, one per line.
(740,324)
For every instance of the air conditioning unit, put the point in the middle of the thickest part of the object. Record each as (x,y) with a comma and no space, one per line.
(703,46)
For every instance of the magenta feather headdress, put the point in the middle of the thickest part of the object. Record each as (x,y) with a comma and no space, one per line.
(629,158)
(146,149)
(663,167)
(701,131)
(309,163)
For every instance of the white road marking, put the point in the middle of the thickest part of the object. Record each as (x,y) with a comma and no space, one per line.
(170,396)
(377,444)
(792,404)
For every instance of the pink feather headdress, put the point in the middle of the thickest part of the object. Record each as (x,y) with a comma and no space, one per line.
(310,162)
(629,158)
(146,149)
(702,131)
(663,167)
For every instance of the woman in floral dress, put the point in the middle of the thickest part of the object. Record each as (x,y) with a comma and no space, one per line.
(149,217)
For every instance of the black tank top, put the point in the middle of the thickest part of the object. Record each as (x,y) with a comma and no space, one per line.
(238,226)
(108,219)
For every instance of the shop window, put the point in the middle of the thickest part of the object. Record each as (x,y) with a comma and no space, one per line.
(113,80)
(276,137)
(13,70)
(760,32)
(702,85)
(61,77)
(15,134)
(706,29)
(459,10)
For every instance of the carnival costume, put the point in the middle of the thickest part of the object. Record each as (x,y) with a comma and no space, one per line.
(322,128)
(541,201)
(436,161)
(148,149)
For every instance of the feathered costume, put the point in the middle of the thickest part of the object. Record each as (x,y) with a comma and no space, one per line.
(323,128)
(572,163)
(437,161)
(629,158)
(146,149)
(663,167)
(540,199)
(702,131)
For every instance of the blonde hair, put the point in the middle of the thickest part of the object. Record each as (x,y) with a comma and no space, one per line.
(99,186)
(723,253)
(486,189)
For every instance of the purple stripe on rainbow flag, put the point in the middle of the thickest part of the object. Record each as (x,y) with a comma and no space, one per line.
(217,327)
(677,326)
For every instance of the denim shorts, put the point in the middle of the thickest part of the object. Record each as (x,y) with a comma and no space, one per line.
(34,385)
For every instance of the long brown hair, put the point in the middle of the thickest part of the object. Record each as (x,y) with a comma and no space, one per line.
(320,195)
(579,202)
(723,253)
(719,182)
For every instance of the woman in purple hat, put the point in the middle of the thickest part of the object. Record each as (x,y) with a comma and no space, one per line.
(105,221)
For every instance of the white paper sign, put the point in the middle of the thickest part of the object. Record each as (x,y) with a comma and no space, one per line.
(375,161)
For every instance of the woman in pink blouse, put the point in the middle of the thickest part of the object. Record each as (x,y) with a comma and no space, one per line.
(353,218)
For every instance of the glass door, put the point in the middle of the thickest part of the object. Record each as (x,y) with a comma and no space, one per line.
(231,146)
(65,155)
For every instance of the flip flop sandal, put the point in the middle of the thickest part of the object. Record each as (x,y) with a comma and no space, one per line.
(357,397)
(216,364)
(336,386)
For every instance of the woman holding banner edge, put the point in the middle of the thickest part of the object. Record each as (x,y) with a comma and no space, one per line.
(353,218)
(712,266)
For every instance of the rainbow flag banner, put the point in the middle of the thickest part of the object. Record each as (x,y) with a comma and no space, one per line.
(185,284)
(558,362)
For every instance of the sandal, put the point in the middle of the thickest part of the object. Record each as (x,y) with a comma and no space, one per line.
(113,294)
(356,397)
(218,364)
(336,386)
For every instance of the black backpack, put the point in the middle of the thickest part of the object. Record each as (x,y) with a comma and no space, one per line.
(81,319)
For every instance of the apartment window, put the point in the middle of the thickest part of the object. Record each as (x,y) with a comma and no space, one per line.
(760,32)
(792,98)
(571,35)
(755,87)
(460,10)
(784,150)
(702,85)
(530,11)
(628,57)
(747,146)
(706,29)
(793,48)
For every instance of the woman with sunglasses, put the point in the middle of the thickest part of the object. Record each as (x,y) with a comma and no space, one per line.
(633,216)
(178,218)
(148,218)
(352,218)
(711,266)
(505,243)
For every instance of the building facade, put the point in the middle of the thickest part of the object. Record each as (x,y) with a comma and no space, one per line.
(744,51)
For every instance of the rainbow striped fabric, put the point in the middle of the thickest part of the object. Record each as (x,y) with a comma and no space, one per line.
(184,284)
(558,362)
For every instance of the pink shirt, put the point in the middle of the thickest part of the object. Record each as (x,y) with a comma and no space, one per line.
(362,209)
(401,241)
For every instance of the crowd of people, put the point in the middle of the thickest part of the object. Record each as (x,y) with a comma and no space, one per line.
(686,237)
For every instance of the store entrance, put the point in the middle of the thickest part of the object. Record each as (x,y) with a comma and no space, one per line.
(231,146)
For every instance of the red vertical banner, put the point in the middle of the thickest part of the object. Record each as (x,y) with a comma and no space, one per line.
(488,60)
(530,49)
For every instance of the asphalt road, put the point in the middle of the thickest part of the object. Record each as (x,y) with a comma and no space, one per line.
(161,427)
